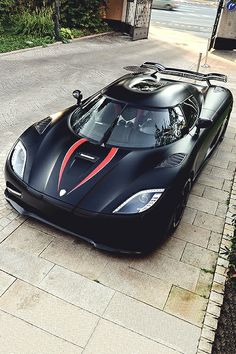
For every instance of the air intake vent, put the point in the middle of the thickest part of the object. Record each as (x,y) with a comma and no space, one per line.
(172,161)
(148,85)
(42,125)
(13,190)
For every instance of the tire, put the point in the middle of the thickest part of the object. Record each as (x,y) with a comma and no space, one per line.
(222,135)
(179,210)
(225,127)
(168,7)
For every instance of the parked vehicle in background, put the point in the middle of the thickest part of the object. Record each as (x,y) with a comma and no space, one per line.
(165,4)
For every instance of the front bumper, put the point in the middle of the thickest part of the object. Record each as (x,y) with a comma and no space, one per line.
(133,234)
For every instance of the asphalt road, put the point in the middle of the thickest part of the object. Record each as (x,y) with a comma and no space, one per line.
(195,17)
(40,81)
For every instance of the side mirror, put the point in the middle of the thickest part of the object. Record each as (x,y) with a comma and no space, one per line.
(203,123)
(78,96)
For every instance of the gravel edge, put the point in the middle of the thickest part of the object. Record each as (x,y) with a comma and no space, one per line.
(216,298)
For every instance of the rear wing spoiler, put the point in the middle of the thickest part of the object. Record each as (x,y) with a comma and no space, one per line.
(159,68)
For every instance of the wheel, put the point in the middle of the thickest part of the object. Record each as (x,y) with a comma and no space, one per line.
(168,7)
(179,210)
(223,131)
(225,127)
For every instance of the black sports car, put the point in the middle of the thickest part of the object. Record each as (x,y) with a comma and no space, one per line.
(116,169)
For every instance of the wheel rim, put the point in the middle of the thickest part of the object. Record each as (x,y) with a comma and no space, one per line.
(224,131)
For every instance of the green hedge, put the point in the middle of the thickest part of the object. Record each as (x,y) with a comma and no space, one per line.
(37,22)
(6,10)
(84,15)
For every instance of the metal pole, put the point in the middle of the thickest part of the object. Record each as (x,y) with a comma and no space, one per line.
(199,61)
(205,65)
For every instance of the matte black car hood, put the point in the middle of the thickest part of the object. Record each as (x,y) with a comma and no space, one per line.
(85,175)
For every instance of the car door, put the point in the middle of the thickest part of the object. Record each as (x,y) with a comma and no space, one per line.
(206,138)
(201,141)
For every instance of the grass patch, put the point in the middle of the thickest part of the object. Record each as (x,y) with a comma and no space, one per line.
(9,42)
(207,270)
(232,261)
(230,253)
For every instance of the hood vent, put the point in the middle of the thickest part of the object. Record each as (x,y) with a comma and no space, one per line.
(88,157)
(172,161)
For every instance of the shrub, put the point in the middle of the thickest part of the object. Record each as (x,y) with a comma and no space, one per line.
(76,32)
(35,17)
(6,10)
(66,33)
(38,23)
(82,14)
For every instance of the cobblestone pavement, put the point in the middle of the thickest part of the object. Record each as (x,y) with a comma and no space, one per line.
(60,295)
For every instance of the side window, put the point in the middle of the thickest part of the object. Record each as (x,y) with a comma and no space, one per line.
(177,121)
(191,110)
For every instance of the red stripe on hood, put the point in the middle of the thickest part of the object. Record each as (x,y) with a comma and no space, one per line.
(67,157)
(105,162)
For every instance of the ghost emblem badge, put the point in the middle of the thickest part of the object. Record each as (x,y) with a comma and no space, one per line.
(62,192)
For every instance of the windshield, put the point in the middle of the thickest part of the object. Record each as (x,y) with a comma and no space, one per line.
(118,124)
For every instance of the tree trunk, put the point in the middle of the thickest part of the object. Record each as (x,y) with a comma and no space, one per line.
(56,20)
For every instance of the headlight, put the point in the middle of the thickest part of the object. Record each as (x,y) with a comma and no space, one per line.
(139,202)
(18,159)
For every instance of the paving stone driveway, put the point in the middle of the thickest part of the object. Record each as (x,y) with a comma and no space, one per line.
(60,295)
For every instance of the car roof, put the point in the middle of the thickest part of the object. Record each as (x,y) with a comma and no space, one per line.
(150,92)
